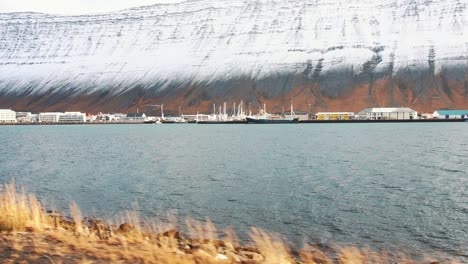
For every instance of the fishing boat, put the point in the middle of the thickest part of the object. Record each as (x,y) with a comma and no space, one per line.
(265,118)
(221,116)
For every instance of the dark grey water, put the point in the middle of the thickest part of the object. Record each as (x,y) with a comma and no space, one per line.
(385,185)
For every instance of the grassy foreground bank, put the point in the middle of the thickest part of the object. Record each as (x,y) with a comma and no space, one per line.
(30,234)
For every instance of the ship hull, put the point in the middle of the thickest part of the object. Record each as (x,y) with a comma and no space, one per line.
(222,122)
(272,121)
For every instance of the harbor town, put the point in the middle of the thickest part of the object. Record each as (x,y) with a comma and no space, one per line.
(234,115)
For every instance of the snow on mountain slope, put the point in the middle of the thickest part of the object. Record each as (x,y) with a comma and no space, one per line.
(204,41)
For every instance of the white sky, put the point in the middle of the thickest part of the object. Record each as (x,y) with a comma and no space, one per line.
(73,7)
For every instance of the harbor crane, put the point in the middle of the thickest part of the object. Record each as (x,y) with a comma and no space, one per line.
(160,106)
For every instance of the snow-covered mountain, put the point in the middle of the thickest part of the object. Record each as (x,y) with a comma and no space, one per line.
(199,50)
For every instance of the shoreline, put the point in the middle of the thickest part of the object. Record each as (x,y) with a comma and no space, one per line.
(245,122)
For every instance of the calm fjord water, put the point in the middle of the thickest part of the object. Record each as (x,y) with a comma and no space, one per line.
(386,185)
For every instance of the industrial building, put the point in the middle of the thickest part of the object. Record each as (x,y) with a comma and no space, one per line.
(299,115)
(388,113)
(7,116)
(334,115)
(450,114)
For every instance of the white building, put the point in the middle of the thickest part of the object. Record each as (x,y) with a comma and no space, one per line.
(388,113)
(72,117)
(334,115)
(105,117)
(301,116)
(197,117)
(450,114)
(25,117)
(7,116)
(49,117)
(135,117)
(119,116)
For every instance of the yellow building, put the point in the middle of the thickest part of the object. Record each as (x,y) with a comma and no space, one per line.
(334,115)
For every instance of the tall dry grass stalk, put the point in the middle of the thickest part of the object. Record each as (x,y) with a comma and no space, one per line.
(77,217)
(271,247)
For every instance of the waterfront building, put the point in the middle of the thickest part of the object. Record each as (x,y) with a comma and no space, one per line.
(34,117)
(197,117)
(170,119)
(426,116)
(72,117)
(450,114)
(49,117)
(388,113)
(135,117)
(25,117)
(106,117)
(7,116)
(334,115)
(119,116)
(300,115)
(91,118)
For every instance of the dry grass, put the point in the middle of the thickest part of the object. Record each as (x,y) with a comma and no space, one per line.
(30,235)
(20,211)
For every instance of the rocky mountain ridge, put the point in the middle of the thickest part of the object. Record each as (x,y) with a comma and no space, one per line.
(322,54)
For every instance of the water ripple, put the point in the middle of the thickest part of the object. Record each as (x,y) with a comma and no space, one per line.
(363,184)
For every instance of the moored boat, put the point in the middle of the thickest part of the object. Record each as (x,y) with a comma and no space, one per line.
(271,120)
(265,118)
(215,122)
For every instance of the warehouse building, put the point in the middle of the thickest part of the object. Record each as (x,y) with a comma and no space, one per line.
(388,113)
(450,114)
(7,116)
(334,116)
(297,114)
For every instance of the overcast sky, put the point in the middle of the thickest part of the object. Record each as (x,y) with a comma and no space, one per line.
(73,6)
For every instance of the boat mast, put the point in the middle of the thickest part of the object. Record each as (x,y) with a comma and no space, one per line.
(240,108)
(234,110)
(224,111)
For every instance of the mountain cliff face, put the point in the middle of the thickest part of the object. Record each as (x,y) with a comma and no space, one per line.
(322,54)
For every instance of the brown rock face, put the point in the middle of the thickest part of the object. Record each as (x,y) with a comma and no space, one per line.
(338,91)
